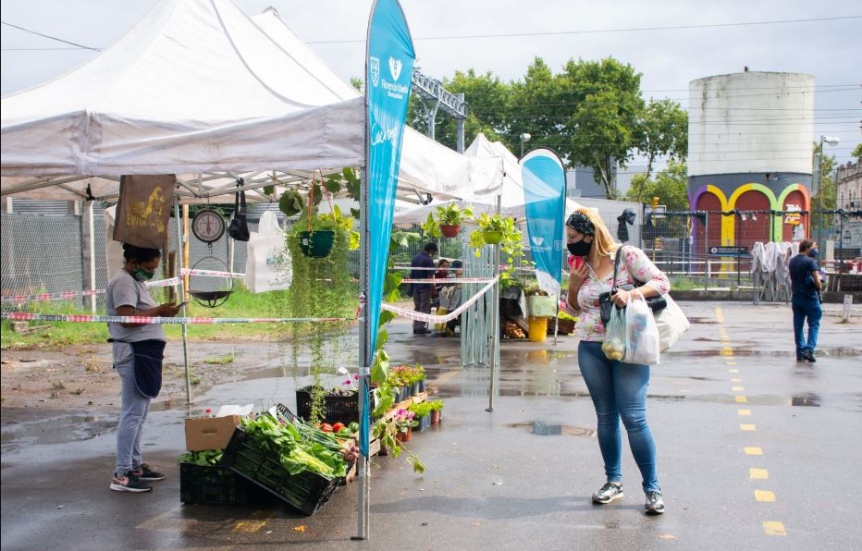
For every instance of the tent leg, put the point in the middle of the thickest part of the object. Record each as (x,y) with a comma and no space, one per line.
(181,222)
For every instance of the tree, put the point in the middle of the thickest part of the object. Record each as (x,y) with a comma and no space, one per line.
(670,186)
(603,99)
(857,152)
(663,131)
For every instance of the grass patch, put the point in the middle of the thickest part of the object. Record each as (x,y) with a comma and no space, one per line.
(220,360)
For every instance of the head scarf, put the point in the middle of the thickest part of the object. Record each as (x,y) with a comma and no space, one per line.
(581,223)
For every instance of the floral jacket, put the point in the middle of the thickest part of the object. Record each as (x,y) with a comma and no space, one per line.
(635,265)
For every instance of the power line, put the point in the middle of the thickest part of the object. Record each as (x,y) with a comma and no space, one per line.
(50,37)
(621,30)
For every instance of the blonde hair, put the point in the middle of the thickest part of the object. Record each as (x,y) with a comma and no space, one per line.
(603,242)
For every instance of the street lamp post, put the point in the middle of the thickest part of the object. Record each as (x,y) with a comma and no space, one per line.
(524,139)
(833,142)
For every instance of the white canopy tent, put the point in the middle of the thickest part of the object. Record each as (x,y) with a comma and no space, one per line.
(511,193)
(198,88)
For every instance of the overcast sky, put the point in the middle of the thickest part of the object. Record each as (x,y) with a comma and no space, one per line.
(823,39)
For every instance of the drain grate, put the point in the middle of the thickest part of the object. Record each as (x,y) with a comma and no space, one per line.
(543,429)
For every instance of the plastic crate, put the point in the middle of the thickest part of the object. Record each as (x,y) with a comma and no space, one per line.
(214,485)
(306,491)
(335,408)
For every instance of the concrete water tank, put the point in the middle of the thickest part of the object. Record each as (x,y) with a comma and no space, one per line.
(750,148)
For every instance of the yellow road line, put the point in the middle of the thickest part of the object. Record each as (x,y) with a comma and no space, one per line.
(735,380)
(774,528)
(753,451)
(744,412)
(758,474)
(741,399)
(749,427)
(764,496)
(738,388)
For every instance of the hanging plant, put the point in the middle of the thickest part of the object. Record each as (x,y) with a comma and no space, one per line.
(290,203)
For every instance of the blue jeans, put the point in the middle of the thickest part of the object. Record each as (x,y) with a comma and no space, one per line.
(134,409)
(806,309)
(619,390)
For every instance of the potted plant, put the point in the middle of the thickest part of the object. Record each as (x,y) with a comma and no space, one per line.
(495,229)
(539,303)
(450,216)
(436,407)
(404,421)
(423,412)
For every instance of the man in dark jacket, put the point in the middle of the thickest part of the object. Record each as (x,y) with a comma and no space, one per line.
(422,268)
(805,283)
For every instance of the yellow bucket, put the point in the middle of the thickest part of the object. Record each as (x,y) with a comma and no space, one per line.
(441,327)
(538,328)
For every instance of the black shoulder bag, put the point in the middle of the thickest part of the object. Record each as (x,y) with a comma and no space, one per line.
(656,304)
(238,228)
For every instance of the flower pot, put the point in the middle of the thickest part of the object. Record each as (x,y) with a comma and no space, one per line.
(450,230)
(542,306)
(404,436)
(414,389)
(435,417)
(492,237)
(316,244)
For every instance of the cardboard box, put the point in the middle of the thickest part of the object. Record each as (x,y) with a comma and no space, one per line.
(210,433)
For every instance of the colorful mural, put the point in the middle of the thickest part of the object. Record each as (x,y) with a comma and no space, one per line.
(756,197)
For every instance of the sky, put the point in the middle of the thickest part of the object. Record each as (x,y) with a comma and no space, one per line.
(670,42)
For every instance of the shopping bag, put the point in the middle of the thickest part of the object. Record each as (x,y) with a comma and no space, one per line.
(642,338)
(268,266)
(614,345)
(671,323)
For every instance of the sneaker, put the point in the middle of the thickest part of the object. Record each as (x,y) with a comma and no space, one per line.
(654,503)
(127,483)
(609,492)
(144,472)
(808,355)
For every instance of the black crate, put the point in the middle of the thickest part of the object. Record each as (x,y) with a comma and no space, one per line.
(214,485)
(306,491)
(335,408)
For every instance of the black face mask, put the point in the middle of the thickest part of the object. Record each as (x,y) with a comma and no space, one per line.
(581,248)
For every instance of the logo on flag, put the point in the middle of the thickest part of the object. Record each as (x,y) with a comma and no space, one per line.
(395,68)
(537,241)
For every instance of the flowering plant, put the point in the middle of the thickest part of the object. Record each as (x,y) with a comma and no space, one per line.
(404,420)
(405,375)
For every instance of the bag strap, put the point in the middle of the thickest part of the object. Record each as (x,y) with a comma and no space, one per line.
(616,268)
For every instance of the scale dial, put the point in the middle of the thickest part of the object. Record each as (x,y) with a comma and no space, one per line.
(208,225)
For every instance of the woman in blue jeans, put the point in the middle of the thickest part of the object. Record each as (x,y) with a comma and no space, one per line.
(618,389)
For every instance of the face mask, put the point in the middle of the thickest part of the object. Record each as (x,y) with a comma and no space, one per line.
(142,275)
(814,253)
(581,248)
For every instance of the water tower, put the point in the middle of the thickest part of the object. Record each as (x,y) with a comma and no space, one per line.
(750,152)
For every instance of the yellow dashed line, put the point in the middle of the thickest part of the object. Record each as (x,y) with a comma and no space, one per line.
(741,399)
(774,528)
(735,380)
(749,427)
(753,451)
(729,362)
(719,315)
(726,351)
(738,388)
(744,412)
(758,474)
(734,370)
(764,496)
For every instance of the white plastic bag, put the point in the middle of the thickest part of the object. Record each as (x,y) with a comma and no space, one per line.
(268,266)
(671,323)
(642,339)
(614,345)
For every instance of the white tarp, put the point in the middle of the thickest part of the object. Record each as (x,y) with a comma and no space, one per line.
(199,87)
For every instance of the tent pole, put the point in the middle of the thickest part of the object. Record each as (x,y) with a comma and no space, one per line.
(495,320)
(181,223)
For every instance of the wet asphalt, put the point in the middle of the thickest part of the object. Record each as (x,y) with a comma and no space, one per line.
(755,451)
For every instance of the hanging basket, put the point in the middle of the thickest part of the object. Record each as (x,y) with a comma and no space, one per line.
(492,237)
(316,244)
(450,230)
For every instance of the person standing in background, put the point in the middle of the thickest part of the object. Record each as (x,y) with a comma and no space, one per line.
(422,267)
(805,285)
(138,351)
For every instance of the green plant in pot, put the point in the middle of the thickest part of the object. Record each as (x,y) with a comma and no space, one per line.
(495,229)
(319,230)
(450,217)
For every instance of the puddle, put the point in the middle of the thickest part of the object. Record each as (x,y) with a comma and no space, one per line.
(550,429)
(807,399)
(56,430)
(828,352)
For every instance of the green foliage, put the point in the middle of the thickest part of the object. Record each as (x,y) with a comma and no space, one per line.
(452,214)
(670,186)
(431,227)
(857,151)
(290,202)
(663,130)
